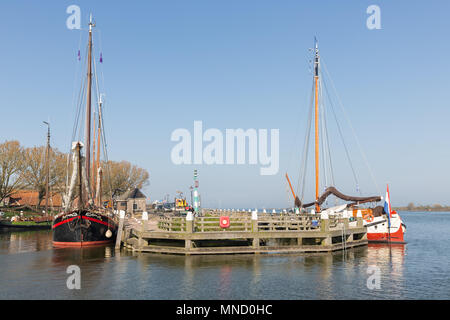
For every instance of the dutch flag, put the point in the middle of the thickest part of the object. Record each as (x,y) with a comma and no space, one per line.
(387,206)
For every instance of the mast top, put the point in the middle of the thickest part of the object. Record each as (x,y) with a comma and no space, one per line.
(316,58)
(91,23)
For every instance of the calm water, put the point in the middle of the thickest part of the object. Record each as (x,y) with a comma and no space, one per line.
(31,269)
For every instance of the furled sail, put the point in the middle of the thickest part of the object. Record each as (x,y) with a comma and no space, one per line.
(333,191)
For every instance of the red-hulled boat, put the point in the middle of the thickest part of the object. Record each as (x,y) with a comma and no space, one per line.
(383,224)
(379,231)
(387,227)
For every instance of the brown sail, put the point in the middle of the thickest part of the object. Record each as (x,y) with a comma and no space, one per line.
(333,191)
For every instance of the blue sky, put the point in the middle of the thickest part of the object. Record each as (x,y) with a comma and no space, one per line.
(240,64)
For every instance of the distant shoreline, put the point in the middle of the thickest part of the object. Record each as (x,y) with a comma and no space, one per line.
(424,209)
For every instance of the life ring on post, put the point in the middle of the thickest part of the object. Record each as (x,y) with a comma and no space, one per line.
(225,222)
(368,217)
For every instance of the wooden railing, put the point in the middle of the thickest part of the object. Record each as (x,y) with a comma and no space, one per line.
(243,222)
(288,223)
(205,224)
(168,223)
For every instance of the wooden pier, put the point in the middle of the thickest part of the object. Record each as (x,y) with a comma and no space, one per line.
(247,233)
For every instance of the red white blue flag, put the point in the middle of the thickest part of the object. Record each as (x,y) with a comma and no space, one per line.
(387,206)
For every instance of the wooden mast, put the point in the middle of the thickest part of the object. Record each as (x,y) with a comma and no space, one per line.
(99,130)
(93,175)
(316,118)
(80,179)
(87,135)
(97,170)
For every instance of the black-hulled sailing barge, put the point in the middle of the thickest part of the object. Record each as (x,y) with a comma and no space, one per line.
(87,222)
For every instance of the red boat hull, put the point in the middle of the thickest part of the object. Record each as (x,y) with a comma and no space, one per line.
(382,237)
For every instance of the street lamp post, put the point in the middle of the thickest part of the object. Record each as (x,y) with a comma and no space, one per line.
(47,164)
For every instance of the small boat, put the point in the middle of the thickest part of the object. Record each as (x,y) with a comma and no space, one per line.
(29,224)
(85,221)
(383,224)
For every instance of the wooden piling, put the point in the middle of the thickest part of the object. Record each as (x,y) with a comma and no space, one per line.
(119,231)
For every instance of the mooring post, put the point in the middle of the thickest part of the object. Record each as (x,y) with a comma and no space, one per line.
(143,228)
(345,216)
(359,219)
(119,231)
(346,226)
(189,229)
(144,221)
(255,229)
(325,228)
(360,223)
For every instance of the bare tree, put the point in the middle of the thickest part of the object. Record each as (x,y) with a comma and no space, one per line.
(124,176)
(35,172)
(11,166)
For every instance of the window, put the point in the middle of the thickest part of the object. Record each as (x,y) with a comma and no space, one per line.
(134,206)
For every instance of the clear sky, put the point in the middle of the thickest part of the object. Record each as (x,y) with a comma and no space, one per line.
(240,64)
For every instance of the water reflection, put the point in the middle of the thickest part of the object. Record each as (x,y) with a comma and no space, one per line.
(111,274)
(390,258)
(13,242)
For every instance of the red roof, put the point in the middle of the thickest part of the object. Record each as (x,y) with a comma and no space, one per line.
(30,198)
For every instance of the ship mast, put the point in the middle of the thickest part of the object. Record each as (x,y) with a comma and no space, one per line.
(316,118)
(97,168)
(87,135)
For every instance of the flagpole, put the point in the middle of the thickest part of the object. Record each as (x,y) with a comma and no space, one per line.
(389,216)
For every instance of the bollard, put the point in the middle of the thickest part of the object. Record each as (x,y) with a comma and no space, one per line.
(345,216)
(324,222)
(189,229)
(189,222)
(143,228)
(144,220)
(119,231)
(359,219)
(255,228)
(325,227)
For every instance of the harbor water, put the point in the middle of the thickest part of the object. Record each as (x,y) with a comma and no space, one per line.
(30,268)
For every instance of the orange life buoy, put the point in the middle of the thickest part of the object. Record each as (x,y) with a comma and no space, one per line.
(368,217)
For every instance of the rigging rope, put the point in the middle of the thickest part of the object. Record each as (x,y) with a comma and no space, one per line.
(342,137)
(102,125)
(323,140)
(353,130)
(302,177)
(78,110)
(329,151)
(296,137)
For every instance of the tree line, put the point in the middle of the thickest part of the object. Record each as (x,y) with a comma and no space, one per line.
(435,207)
(25,169)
